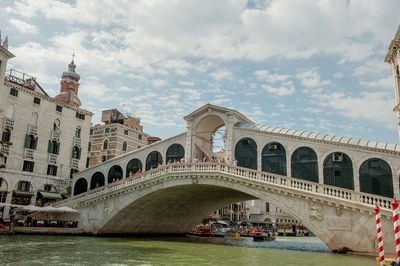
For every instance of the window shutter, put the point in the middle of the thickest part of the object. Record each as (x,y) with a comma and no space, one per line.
(50,147)
(27,141)
(35,143)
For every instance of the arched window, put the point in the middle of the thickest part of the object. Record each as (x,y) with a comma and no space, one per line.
(105,144)
(77,132)
(56,125)
(376,177)
(133,166)
(6,136)
(81,186)
(97,180)
(115,173)
(153,160)
(338,170)
(304,164)
(274,158)
(175,152)
(124,146)
(34,119)
(246,153)
(3,190)
(31,141)
(90,146)
(53,147)
(76,153)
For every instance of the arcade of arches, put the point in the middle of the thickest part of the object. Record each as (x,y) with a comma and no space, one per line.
(375,174)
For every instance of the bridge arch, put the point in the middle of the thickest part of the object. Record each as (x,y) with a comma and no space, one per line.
(273,158)
(133,166)
(115,173)
(376,177)
(246,153)
(175,152)
(153,159)
(304,164)
(97,180)
(203,198)
(81,186)
(338,170)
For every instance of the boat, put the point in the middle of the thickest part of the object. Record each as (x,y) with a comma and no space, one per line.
(263,236)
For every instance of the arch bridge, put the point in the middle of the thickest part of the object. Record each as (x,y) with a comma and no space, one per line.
(329,183)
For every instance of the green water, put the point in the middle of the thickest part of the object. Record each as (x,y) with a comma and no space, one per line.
(69,250)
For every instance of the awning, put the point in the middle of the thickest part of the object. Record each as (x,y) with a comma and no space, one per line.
(50,195)
(23,193)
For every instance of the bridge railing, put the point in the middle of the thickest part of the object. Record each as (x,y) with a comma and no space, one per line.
(291,183)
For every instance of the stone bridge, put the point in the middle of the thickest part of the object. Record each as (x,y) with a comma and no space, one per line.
(174,197)
(329,183)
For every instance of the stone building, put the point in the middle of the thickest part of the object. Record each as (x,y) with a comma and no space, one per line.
(393,58)
(44,140)
(119,134)
(233,212)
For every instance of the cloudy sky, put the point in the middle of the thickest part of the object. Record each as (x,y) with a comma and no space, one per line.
(315,65)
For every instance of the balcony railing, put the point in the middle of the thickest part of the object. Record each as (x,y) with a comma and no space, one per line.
(4,148)
(55,135)
(21,78)
(52,158)
(7,122)
(77,141)
(75,163)
(28,153)
(32,129)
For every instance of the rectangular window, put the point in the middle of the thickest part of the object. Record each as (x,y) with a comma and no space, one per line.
(126,131)
(24,186)
(36,100)
(106,130)
(80,116)
(59,108)
(14,92)
(140,136)
(28,166)
(266,207)
(91,131)
(52,170)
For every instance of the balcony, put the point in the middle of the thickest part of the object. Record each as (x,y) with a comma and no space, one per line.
(28,153)
(77,141)
(32,130)
(75,163)
(55,135)
(52,158)
(7,122)
(5,148)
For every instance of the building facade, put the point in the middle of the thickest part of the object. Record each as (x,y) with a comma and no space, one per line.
(44,140)
(118,135)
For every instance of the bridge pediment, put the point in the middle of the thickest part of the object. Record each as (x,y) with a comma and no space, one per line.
(210,109)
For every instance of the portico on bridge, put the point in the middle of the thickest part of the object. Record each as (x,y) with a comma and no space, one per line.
(329,183)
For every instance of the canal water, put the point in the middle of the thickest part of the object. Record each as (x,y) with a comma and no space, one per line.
(19,250)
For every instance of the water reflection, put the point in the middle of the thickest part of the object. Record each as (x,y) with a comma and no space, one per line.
(64,250)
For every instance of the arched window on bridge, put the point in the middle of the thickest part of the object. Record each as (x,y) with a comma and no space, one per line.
(115,173)
(81,186)
(376,177)
(246,153)
(274,158)
(124,146)
(175,152)
(304,164)
(98,180)
(338,170)
(133,166)
(153,160)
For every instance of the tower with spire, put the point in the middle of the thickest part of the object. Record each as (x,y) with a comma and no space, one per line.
(5,54)
(69,86)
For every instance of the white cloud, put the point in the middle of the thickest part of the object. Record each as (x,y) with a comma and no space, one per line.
(23,26)
(311,79)
(279,91)
(265,75)
(221,74)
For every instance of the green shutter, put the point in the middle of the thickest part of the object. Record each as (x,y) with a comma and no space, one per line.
(27,141)
(50,147)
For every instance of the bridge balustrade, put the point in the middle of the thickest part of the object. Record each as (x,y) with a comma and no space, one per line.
(263,177)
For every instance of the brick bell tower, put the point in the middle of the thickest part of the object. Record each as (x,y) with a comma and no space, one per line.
(69,86)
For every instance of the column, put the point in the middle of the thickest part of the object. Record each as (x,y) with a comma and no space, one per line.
(229,150)
(189,137)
